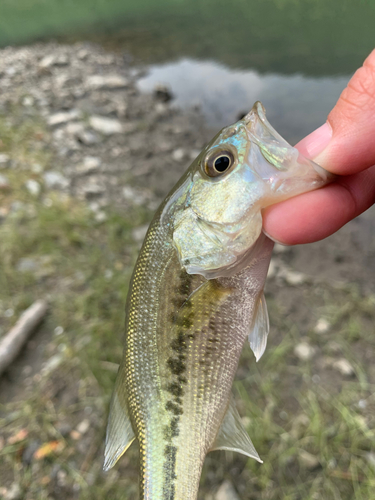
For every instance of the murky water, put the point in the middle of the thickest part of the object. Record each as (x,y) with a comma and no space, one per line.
(295,104)
(295,56)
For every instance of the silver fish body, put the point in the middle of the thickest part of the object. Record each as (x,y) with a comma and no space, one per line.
(196,294)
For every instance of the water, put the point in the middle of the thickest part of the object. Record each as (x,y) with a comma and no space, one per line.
(295,104)
(294,55)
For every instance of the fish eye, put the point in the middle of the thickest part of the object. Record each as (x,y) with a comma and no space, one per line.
(218,163)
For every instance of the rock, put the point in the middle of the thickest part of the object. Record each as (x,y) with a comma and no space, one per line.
(4,160)
(304,351)
(83,426)
(110,82)
(322,326)
(63,428)
(90,164)
(163,93)
(370,457)
(13,493)
(133,195)
(299,425)
(55,180)
(226,492)
(63,117)
(344,367)
(4,183)
(106,126)
(27,265)
(33,187)
(101,216)
(27,455)
(293,278)
(82,54)
(73,128)
(28,101)
(178,154)
(88,138)
(53,60)
(308,461)
(36,168)
(93,189)
(51,365)
(333,347)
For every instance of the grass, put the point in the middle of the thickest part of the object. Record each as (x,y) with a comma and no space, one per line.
(295,411)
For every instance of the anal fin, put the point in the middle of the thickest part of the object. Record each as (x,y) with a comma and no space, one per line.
(232,435)
(259,328)
(120,434)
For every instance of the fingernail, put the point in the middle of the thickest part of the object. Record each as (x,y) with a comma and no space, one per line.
(315,143)
(274,240)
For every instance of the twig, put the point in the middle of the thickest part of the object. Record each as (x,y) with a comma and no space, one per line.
(13,341)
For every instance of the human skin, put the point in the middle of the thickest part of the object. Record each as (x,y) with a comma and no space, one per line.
(344,145)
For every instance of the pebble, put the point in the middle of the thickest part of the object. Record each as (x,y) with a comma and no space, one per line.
(27,455)
(83,426)
(370,457)
(4,183)
(226,492)
(36,168)
(322,326)
(28,101)
(163,93)
(111,82)
(13,493)
(51,365)
(304,351)
(33,187)
(90,164)
(308,460)
(133,195)
(101,216)
(106,126)
(88,138)
(55,180)
(93,189)
(344,367)
(27,265)
(63,117)
(178,154)
(293,278)
(4,160)
(53,60)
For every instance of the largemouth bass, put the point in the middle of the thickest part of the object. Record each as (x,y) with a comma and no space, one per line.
(195,296)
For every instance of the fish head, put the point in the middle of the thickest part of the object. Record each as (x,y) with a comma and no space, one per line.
(215,210)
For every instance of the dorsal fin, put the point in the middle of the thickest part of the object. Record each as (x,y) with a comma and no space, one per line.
(259,328)
(120,434)
(232,435)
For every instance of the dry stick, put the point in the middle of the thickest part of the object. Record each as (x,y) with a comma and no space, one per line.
(13,341)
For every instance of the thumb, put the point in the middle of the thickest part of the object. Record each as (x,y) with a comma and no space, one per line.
(345,144)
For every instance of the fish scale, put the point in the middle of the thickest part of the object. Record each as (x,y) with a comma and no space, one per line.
(196,294)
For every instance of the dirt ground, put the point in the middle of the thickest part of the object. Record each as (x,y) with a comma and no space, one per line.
(85,159)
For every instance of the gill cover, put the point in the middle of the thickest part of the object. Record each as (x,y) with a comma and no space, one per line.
(216,216)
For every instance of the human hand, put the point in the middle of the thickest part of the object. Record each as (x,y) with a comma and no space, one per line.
(344,145)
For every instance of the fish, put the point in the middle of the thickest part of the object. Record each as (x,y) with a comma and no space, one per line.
(196,295)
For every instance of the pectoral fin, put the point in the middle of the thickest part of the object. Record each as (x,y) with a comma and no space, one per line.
(120,434)
(259,329)
(232,435)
